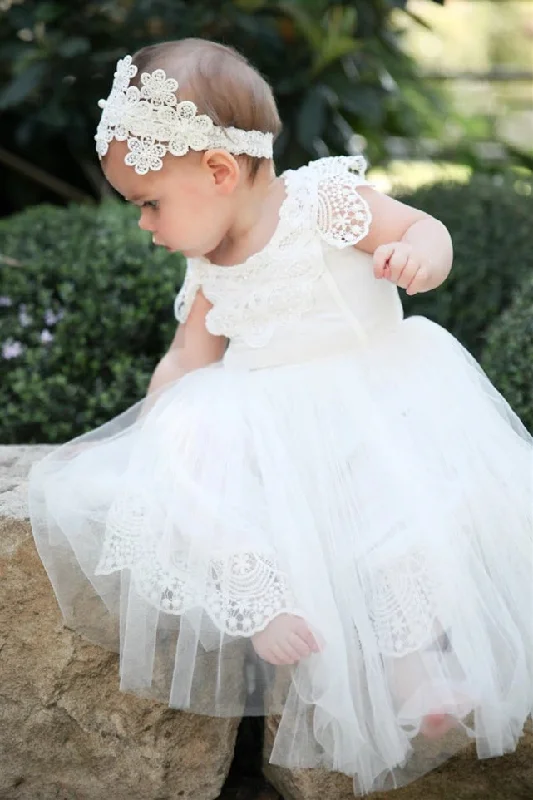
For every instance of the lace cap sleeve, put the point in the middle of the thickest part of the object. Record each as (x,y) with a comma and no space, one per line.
(343,216)
(187,293)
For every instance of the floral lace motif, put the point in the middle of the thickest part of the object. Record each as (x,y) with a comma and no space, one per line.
(344,217)
(276,286)
(241,592)
(402,603)
(153,123)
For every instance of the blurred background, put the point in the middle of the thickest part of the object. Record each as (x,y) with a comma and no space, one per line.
(438,94)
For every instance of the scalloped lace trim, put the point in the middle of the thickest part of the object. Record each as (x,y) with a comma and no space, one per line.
(241,591)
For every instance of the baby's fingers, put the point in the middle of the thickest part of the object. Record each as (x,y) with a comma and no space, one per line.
(381,259)
(408,273)
(396,265)
(418,284)
(310,640)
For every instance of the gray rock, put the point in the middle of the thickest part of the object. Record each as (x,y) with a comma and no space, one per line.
(66,731)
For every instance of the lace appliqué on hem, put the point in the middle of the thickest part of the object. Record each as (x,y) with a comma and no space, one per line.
(402,603)
(241,592)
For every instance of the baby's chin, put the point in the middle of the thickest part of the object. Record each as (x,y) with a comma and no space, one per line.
(166,247)
(190,252)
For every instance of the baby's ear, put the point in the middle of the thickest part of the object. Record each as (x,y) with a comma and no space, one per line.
(224,170)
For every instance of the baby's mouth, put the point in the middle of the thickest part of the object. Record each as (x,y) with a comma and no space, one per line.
(160,244)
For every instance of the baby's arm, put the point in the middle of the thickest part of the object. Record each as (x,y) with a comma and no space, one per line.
(192,347)
(410,248)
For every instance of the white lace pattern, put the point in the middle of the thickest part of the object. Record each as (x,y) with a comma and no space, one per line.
(152,122)
(402,603)
(242,592)
(344,217)
(276,285)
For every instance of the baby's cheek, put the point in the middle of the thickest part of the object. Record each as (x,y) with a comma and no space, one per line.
(171,227)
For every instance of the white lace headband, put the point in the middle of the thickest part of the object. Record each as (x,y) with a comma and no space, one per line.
(153,123)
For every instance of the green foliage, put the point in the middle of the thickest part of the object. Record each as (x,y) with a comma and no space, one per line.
(86,304)
(335,67)
(508,354)
(489,219)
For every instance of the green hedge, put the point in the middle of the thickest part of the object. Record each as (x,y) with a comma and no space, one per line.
(86,312)
(508,355)
(490,220)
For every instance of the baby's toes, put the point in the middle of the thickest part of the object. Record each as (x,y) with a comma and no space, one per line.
(266,653)
(300,646)
(292,652)
(304,632)
(283,654)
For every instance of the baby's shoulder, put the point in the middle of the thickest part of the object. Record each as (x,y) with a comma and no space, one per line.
(330,168)
(326,193)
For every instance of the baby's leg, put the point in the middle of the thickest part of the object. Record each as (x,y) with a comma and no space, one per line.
(418,670)
(285,640)
(435,725)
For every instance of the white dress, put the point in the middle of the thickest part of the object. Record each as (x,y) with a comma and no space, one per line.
(341,463)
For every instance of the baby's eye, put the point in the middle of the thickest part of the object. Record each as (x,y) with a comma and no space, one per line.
(154,204)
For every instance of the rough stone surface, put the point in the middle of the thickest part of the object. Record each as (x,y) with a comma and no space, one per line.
(463,777)
(66,731)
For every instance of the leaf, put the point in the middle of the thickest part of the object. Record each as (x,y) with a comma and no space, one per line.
(333,50)
(418,19)
(48,12)
(311,30)
(367,102)
(311,118)
(25,83)
(74,47)
(250,6)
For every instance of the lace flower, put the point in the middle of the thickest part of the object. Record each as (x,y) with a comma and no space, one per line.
(145,154)
(158,88)
(192,132)
(124,72)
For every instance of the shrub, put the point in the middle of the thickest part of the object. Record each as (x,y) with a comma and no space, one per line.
(508,354)
(86,314)
(489,219)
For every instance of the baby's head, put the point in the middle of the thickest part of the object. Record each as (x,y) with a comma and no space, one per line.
(188,127)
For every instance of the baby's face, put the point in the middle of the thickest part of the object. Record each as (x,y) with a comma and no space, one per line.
(182,205)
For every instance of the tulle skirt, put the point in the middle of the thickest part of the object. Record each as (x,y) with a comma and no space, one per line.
(383,494)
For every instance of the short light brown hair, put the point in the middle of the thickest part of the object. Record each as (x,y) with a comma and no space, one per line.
(220,81)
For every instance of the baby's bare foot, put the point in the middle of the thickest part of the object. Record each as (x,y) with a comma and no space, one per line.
(436,725)
(285,640)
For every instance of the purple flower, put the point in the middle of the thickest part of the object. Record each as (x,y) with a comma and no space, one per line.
(5,301)
(11,349)
(51,318)
(46,336)
(24,317)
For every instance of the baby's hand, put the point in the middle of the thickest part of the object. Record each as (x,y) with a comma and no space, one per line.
(399,263)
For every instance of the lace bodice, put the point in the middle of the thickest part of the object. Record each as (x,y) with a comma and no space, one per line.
(307,275)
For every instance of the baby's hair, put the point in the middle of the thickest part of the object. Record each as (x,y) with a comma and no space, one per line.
(220,81)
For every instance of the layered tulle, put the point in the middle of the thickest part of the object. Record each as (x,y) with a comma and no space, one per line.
(385,494)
